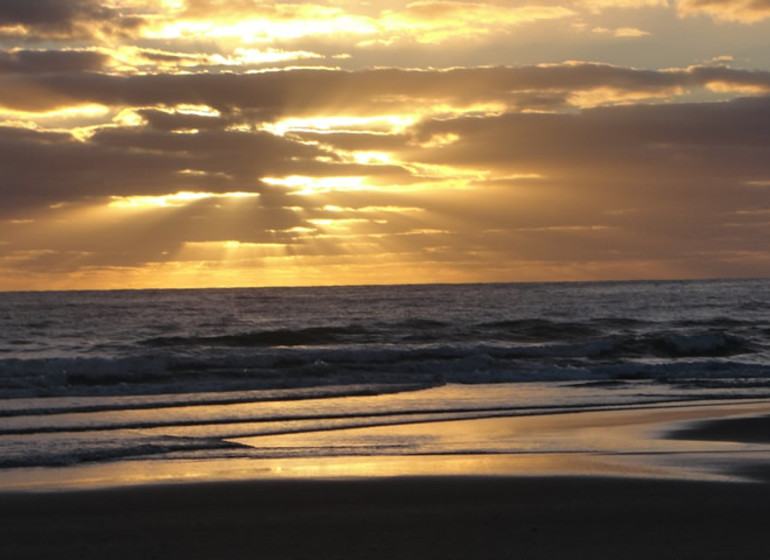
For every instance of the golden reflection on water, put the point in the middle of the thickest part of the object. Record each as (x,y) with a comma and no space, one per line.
(636,430)
(624,442)
(137,473)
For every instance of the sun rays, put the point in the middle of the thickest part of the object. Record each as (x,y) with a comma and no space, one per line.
(255,142)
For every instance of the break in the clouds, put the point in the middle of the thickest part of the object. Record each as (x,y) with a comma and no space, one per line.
(200,142)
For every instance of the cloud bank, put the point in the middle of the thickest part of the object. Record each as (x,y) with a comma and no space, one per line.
(237,143)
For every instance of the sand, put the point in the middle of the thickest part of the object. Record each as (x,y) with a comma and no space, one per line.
(578,514)
(421,518)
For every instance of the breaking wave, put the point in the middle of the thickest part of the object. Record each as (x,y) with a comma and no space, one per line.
(347,355)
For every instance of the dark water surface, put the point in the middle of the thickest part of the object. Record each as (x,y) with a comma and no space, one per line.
(99,376)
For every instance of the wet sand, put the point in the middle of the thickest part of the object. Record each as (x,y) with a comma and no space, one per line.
(402,517)
(416,518)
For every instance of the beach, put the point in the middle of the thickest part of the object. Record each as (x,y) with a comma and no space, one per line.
(704,492)
(557,421)
(395,518)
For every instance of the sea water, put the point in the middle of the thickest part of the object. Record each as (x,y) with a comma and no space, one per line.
(102,376)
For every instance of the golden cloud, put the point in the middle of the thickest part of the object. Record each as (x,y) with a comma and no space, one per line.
(741,11)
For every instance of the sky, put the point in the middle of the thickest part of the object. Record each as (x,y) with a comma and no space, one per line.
(202,143)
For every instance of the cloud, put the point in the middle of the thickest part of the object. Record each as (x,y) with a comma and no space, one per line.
(213,132)
(437,21)
(741,11)
(157,140)
(625,143)
(659,180)
(19,61)
(378,91)
(621,32)
(598,5)
(166,151)
(646,182)
(44,168)
(59,19)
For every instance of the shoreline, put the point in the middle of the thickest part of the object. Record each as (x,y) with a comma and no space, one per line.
(694,494)
(696,440)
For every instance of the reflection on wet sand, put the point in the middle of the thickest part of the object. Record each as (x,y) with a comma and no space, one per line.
(628,442)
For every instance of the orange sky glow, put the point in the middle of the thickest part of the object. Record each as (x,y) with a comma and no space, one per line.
(201,143)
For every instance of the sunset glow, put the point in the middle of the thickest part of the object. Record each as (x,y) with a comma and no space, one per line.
(206,143)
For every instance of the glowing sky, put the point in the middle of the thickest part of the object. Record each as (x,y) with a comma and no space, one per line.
(180,143)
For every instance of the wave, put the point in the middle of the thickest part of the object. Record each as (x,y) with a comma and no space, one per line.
(169,368)
(73,439)
(677,345)
(226,341)
(54,405)
(541,330)
(94,422)
(672,336)
(281,337)
(98,449)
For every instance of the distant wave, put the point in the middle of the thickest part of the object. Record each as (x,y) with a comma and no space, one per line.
(541,330)
(703,337)
(281,337)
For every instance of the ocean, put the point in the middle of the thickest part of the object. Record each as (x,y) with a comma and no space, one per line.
(157,376)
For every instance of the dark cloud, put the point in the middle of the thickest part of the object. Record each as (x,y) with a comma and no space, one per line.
(48,12)
(44,168)
(663,180)
(62,19)
(299,92)
(729,139)
(716,145)
(39,169)
(44,62)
